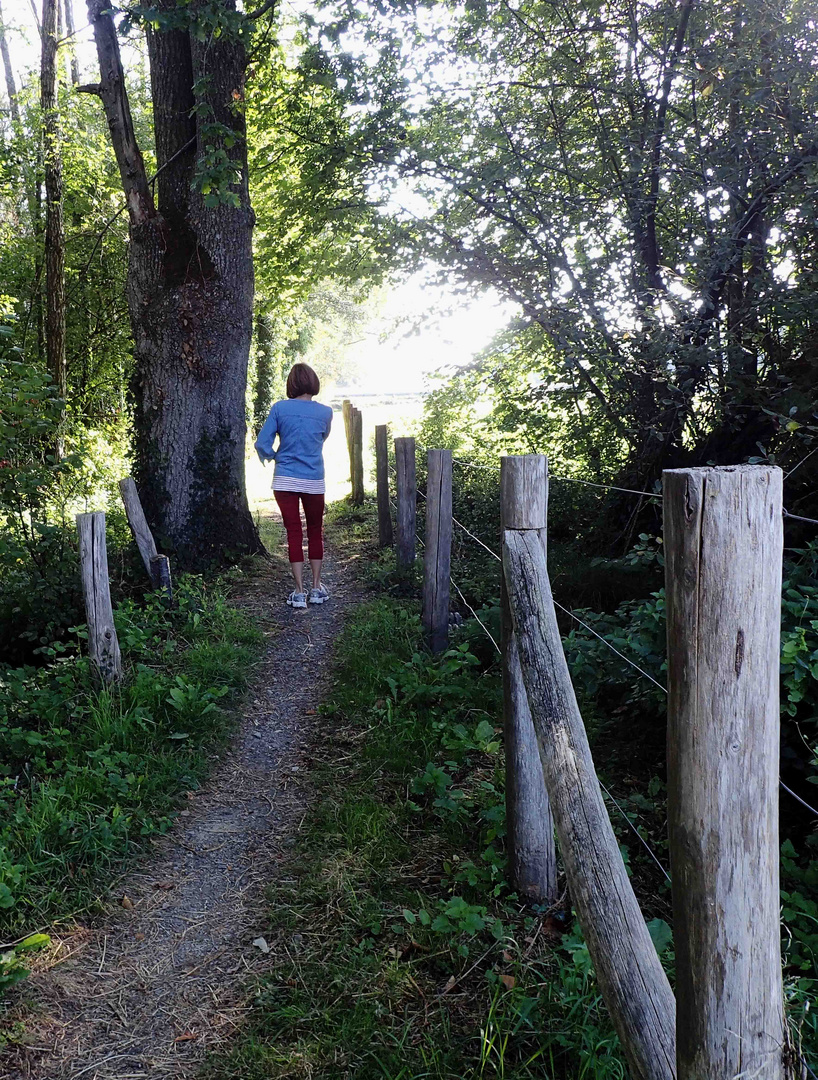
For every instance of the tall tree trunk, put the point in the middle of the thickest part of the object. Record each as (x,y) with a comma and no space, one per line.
(72,45)
(11,88)
(190,286)
(54,230)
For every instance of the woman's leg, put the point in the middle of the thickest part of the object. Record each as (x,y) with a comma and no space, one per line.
(314,513)
(291,515)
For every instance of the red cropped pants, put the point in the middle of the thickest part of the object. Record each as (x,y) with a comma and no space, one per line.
(313,512)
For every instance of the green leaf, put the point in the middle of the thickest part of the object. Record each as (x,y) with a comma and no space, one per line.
(660,934)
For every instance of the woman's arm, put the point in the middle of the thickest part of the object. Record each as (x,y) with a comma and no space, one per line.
(266,437)
(329,425)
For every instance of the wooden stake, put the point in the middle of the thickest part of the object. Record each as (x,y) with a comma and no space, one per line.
(530,825)
(160,576)
(357,457)
(138,523)
(103,645)
(437,556)
(723,552)
(406,485)
(382,478)
(630,976)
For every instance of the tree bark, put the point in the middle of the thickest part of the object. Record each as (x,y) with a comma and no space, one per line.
(69,31)
(11,88)
(54,228)
(190,285)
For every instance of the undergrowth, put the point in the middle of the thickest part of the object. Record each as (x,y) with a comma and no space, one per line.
(88,776)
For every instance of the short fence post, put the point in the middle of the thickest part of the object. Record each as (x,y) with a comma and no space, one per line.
(357,457)
(346,409)
(723,555)
(137,521)
(160,576)
(103,645)
(406,485)
(530,826)
(631,979)
(437,556)
(382,478)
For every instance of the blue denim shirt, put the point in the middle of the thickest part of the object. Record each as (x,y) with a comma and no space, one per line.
(301,426)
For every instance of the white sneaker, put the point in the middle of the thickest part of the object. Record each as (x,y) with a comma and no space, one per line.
(319,595)
(297,599)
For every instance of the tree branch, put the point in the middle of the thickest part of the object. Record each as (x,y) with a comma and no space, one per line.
(114,97)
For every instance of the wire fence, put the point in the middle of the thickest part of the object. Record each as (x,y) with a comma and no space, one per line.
(572,615)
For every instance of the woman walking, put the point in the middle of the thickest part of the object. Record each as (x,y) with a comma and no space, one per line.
(302,425)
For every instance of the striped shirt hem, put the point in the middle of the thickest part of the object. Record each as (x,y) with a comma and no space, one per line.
(299,484)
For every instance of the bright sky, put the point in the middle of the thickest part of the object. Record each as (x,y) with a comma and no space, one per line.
(431,327)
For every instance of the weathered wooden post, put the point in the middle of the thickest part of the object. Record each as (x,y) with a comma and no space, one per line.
(723,552)
(158,566)
(406,488)
(382,479)
(530,825)
(437,556)
(103,645)
(633,983)
(160,576)
(357,457)
(137,521)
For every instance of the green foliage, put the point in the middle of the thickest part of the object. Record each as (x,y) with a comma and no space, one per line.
(12,961)
(87,776)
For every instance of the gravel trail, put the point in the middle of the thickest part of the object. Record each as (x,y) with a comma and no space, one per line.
(157,980)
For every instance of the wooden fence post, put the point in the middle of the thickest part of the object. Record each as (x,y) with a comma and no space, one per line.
(406,486)
(723,551)
(160,576)
(437,556)
(357,457)
(158,566)
(138,523)
(103,645)
(530,825)
(382,478)
(346,409)
(631,979)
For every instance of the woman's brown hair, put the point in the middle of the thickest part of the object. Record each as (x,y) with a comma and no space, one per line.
(302,380)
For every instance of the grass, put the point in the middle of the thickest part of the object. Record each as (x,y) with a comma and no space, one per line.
(400,952)
(88,776)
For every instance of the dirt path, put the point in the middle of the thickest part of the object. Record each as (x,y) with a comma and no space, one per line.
(147,989)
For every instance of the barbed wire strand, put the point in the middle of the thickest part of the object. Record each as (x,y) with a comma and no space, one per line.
(633,828)
(632,491)
(486,630)
(585,625)
(630,663)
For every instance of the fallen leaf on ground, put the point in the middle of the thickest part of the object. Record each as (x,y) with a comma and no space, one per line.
(188,1035)
(260,943)
(126,901)
(508,981)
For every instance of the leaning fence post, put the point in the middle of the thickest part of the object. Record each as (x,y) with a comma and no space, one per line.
(103,645)
(437,556)
(631,979)
(357,457)
(137,521)
(382,479)
(532,852)
(406,487)
(723,555)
